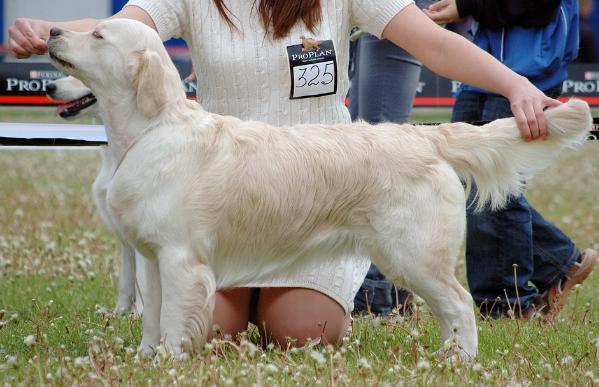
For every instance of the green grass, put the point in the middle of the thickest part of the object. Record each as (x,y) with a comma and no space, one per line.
(58,276)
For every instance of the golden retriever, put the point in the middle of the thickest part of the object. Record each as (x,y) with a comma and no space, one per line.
(213,201)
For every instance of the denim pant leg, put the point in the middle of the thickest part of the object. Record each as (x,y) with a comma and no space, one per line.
(554,253)
(515,237)
(387,78)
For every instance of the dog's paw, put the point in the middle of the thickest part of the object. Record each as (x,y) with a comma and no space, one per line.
(453,353)
(126,307)
(147,351)
(121,310)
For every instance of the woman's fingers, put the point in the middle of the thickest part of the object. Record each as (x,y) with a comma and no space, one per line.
(24,39)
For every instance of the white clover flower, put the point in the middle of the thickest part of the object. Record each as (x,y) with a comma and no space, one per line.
(319,357)
(567,360)
(251,347)
(11,361)
(363,363)
(29,340)
(81,361)
(423,364)
(272,368)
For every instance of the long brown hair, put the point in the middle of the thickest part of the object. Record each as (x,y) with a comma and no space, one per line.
(279,16)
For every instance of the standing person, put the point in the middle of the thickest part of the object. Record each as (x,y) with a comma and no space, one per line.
(248,58)
(589,47)
(515,259)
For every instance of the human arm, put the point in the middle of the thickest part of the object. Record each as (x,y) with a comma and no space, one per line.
(28,36)
(495,13)
(450,55)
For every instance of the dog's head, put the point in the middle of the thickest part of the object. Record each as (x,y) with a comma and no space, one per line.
(78,98)
(119,57)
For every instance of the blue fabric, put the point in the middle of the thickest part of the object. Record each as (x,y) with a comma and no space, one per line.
(384,79)
(541,54)
(378,295)
(516,235)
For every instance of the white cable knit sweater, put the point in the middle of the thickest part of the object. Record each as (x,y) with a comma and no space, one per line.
(246,74)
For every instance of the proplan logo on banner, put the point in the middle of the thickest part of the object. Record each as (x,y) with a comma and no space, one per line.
(27,79)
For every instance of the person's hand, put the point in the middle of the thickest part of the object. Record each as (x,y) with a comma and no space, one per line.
(443,12)
(527,104)
(28,37)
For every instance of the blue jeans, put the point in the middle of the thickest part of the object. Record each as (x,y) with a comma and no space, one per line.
(515,235)
(384,79)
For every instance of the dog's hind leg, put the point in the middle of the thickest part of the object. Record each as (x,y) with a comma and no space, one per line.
(152,305)
(417,246)
(188,293)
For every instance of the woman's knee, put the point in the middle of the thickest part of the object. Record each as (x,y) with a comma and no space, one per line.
(231,312)
(290,316)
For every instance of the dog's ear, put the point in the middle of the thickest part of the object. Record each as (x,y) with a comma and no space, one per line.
(147,76)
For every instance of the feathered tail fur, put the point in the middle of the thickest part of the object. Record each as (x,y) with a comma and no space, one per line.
(498,161)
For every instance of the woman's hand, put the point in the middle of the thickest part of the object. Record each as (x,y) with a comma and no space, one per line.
(443,11)
(28,37)
(527,104)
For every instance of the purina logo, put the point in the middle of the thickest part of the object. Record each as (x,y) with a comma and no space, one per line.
(591,75)
(46,74)
(310,44)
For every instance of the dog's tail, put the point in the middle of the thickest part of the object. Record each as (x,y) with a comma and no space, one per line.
(498,161)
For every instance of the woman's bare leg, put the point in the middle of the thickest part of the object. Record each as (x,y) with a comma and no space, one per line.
(289,316)
(231,312)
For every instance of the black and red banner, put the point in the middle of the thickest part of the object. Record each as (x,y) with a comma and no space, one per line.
(24,83)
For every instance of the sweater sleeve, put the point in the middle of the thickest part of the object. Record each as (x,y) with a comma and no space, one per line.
(373,16)
(170,16)
(505,13)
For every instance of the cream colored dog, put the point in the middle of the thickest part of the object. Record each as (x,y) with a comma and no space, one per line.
(213,201)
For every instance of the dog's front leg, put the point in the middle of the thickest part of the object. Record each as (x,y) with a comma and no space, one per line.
(152,305)
(126,296)
(188,288)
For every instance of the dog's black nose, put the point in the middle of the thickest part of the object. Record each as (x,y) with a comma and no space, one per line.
(50,88)
(55,31)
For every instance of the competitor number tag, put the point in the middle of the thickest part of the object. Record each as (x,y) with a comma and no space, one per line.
(313,66)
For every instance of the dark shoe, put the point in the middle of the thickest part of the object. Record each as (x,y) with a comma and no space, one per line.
(551,302)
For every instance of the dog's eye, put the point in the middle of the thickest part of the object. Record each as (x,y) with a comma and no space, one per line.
(97,35)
